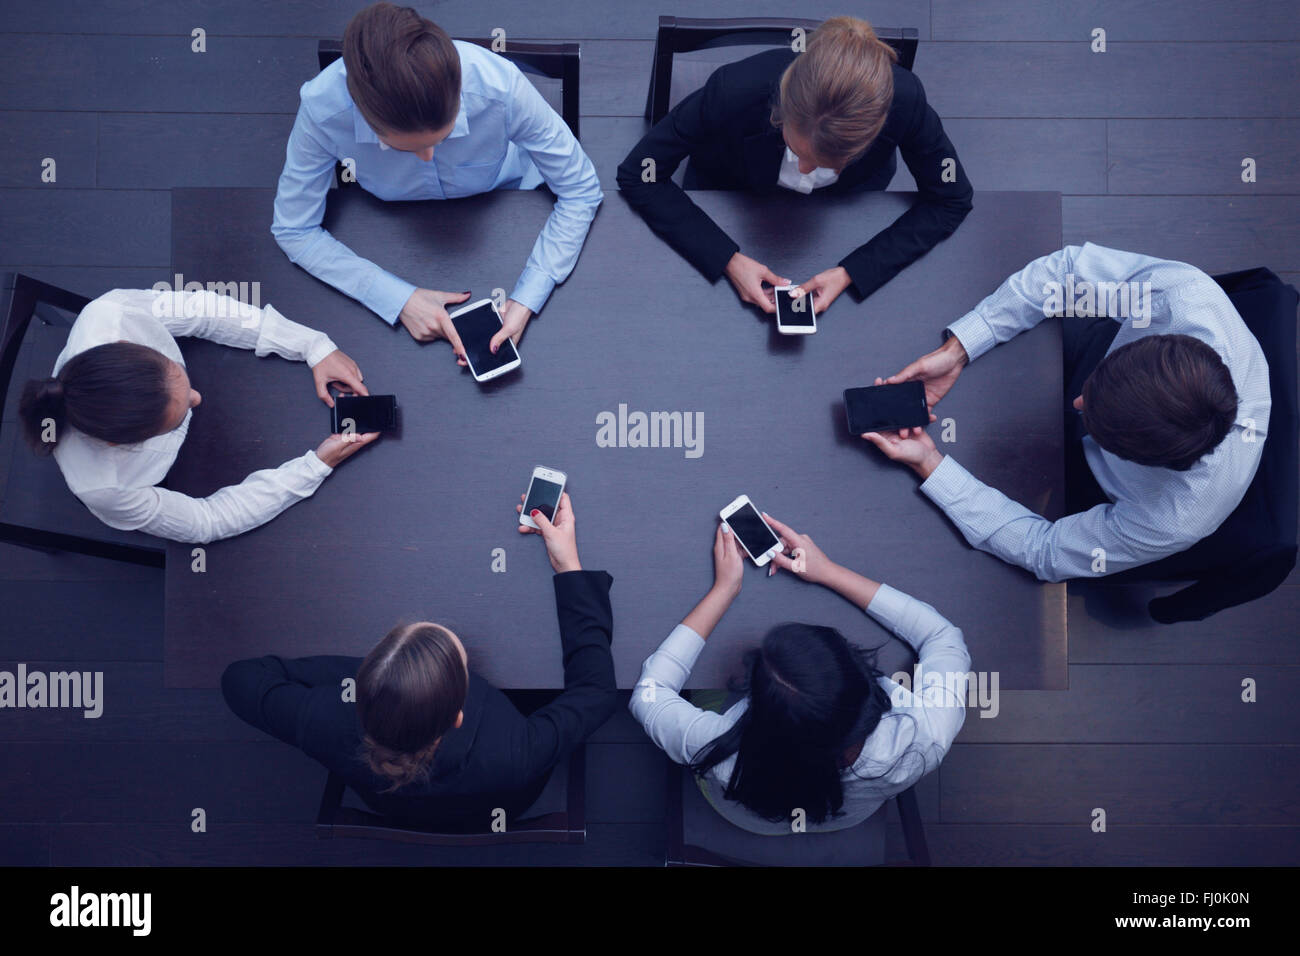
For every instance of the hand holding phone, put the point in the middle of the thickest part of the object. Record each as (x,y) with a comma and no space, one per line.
(560,534)
(802,557)
(795,313)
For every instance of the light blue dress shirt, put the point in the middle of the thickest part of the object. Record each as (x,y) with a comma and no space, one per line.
(506,136)
(909,741)
(1154,512)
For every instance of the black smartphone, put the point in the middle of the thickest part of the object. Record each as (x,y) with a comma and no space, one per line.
(363,414)
(476,323)
(882,408)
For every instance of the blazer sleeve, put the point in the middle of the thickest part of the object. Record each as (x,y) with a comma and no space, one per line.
(297,700)
(940,206)
(664,205)
(590,695)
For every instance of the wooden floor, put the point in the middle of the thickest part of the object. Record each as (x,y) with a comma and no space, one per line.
(1145,142)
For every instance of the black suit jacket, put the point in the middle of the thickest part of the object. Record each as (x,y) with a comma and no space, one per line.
(496,758)
(725,129)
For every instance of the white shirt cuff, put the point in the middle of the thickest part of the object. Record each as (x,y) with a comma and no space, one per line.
(974,334)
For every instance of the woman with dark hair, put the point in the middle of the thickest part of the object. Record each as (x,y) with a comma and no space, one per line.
(423,739)
(118,404)
(821,738)
(829,119)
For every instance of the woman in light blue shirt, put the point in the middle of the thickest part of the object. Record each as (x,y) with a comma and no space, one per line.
(821,738)
(413,114)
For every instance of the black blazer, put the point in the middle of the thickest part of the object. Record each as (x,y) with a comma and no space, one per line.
(725,129)
(496,758)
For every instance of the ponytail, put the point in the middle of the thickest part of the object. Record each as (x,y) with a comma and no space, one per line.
(116,392)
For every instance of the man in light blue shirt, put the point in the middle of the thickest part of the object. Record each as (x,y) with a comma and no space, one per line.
(472,124)
(1175,430)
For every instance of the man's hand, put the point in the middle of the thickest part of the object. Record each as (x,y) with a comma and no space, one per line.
(339,370)
(339,448)
(425,317)
(938,370)
(912,446)
(748,277)
(513,319)
(825,287)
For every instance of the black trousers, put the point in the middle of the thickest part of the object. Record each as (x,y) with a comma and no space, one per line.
(1085,342)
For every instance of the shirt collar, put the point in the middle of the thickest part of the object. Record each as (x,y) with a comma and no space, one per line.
(364,134)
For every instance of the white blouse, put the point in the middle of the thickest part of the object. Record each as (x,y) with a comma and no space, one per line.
(911,739)
(116,482)
(791,178)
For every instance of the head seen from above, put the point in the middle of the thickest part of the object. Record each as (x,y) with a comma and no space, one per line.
(121,393)
(403,74)
(813,700)
(836,95)
(411,691)
(1163,400)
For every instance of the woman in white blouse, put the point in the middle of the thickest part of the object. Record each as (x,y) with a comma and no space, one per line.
(821,738)
(118,406)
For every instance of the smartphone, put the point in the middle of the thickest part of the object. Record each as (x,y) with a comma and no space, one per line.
(794,314)
(759,541)
(363,414)
(476,323)
(543,495)
(882,408)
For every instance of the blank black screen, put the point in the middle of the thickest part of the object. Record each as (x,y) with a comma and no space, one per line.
(753,533)
(789,314)
(476,329)
(543,496)
(886,407)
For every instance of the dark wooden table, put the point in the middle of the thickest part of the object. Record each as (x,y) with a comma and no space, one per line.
(406,530)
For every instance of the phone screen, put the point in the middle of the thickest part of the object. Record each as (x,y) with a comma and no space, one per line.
(794,311)
(367,413)
(476,328)
(543,496)
(886,407)
(752,531)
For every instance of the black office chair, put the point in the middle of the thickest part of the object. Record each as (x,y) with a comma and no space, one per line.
(688,35)
(558,815)
(699,836)
(1254,549)
(36,508)
(554,61)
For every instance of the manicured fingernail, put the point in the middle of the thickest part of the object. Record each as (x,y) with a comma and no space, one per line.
(726,530)
(494,349)
(534,513)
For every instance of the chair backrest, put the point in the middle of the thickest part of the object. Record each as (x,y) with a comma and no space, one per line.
(688,35)
(558,815)
(36,508)
(554,61)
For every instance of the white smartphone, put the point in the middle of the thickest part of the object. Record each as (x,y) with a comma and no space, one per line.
(543,495)
(795,315)
(476,323)
(759,541)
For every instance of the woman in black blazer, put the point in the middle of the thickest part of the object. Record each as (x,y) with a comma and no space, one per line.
(829,118)
(428,742)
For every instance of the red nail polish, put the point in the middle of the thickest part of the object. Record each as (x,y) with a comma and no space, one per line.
(534,513)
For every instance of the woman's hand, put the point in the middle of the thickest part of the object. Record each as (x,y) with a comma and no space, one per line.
(728,562)
(561,535)
(803,557)
(339,448)
(825,287)
(748,276)
(513,319)
(425,317)
(339,370)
